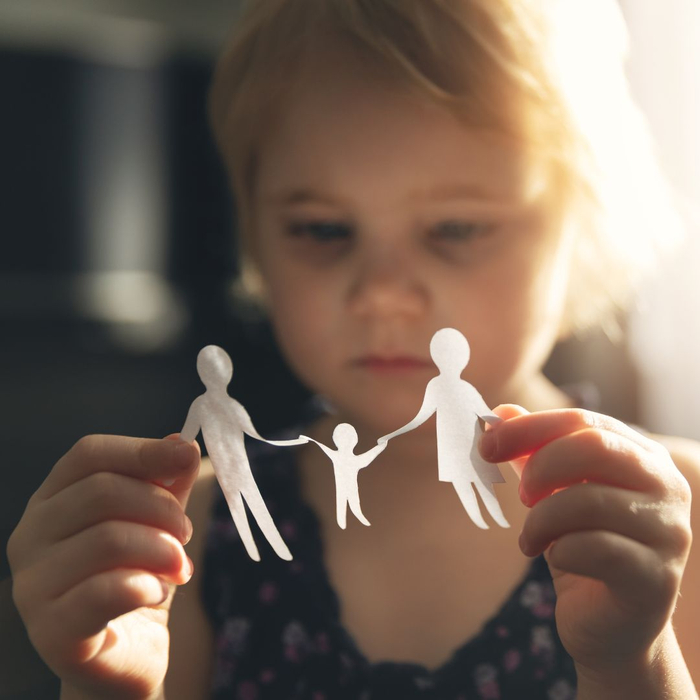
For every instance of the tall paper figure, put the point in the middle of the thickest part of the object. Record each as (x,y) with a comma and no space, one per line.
(458,407)
(346,465)
(223,422)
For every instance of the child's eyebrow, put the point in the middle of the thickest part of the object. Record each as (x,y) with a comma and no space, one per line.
(301,196)
(440,193)
(454,191)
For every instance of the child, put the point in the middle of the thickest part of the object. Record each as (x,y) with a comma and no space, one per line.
(400,166)
(346,467)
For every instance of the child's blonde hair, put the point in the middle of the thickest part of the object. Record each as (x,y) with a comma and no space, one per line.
(546,73)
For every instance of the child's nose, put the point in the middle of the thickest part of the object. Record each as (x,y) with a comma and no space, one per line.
(385,284)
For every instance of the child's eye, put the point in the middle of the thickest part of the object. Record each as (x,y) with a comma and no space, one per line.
(458,231)
(321,231)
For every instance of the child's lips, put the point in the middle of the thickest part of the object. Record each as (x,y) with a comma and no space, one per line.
(392,363)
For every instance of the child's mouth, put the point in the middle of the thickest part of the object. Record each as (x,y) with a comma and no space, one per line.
(392,364)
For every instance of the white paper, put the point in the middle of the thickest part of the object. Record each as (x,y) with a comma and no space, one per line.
(458,407)
(346,466)
(224,422)
(459,410)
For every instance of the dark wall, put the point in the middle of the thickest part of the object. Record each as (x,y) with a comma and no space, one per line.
(64,373)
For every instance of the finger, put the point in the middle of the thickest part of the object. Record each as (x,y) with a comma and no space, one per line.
(597,507)
(631,571)
(522,435)
(180,486)
(85,610)
(506,412)
(151,460)
(107,546)
(591,455)
(108,496)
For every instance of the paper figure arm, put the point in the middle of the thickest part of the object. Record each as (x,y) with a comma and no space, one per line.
(371,454)
(426,410)
(484,412)
(192,425)
(246,425)
(301,440)
(326,449)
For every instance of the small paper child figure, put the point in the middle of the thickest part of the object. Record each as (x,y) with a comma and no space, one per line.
(346,465)
(223,422)
(458,407)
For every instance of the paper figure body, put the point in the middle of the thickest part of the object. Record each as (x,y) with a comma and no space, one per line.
(458,407)
(346,465)
(223,422)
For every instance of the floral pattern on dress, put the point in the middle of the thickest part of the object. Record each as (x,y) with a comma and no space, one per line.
(279,634)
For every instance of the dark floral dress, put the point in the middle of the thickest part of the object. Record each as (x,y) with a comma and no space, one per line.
(278,632)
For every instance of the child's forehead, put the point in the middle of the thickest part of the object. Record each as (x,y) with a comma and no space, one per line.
(386,144)
(345,120)
(341,121)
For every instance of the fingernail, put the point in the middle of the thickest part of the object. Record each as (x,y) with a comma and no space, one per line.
(523,496)
(183,454)
(187,530)
(189,567)
(522,543)
(487,444)
(166,591)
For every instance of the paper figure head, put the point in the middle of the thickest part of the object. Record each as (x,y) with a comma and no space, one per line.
(214,367)
(344,436)
(450,351)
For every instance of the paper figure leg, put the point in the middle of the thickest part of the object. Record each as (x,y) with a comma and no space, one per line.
(468,497)
(341,507)
(240,519)
(488,496)
(354,502)
(264,519)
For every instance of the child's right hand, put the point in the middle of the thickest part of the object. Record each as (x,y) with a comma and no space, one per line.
(93,559)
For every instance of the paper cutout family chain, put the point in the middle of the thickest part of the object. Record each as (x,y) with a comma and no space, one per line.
(457,404)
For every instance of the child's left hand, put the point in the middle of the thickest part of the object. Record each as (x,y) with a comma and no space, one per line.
(611,512)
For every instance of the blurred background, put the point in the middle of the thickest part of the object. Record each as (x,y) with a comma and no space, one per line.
(116,225)
(116,229)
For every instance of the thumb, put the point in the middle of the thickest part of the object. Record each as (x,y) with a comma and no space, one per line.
(507,411)
(182,486)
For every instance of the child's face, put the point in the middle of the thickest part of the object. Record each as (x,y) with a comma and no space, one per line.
(380,218)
